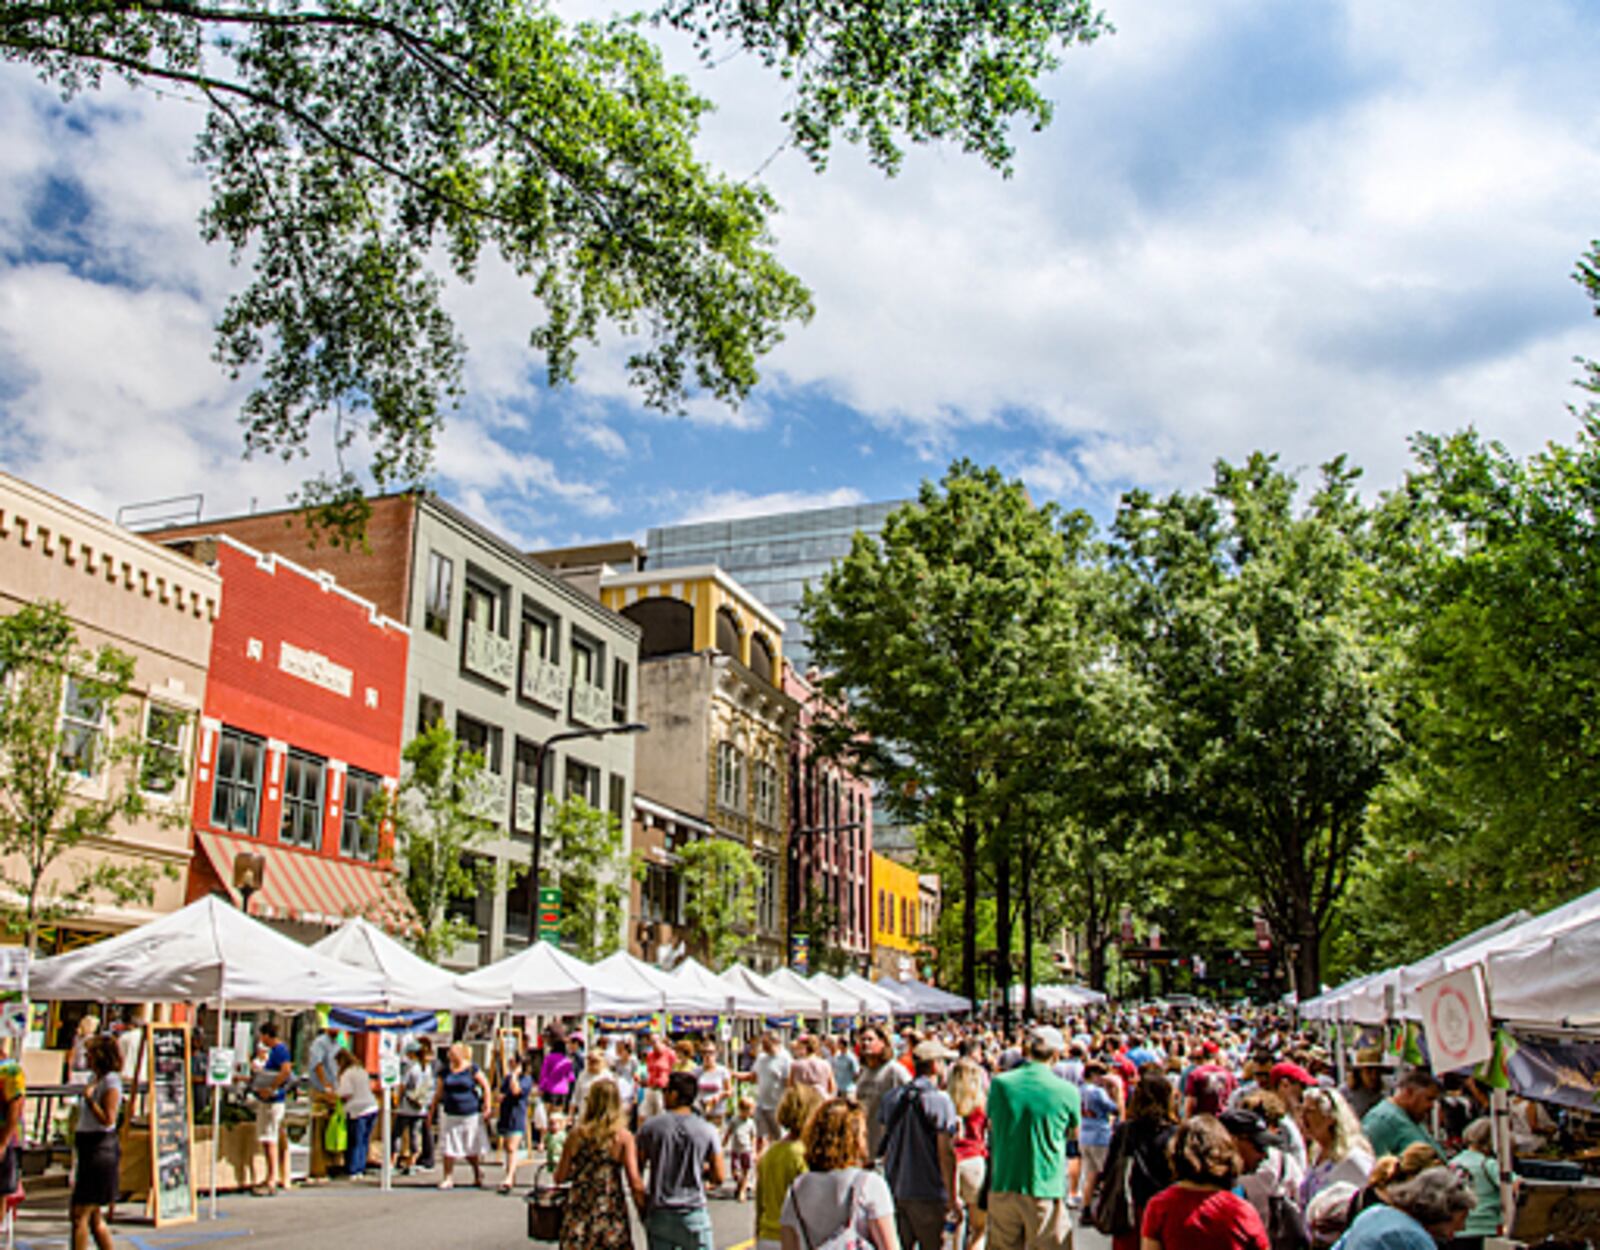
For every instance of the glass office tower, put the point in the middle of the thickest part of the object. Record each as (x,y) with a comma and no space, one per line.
(773,557)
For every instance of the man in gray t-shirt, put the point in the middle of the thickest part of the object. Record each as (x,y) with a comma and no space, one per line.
(674,1149)
(880,1073)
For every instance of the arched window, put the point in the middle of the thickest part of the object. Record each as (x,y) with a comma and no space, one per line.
(728,632)
(668,626)
(761,657)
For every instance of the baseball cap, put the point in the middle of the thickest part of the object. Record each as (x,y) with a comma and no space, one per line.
(932,1049)
(1049,1036)
(1290,1072)
(1250,1126)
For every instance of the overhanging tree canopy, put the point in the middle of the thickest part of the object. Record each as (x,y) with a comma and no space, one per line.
(350,142)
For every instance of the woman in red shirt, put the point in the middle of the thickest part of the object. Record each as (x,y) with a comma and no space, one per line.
(971,1145)
(1200,1211)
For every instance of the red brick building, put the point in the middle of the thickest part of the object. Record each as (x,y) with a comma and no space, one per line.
(301,730)
(830,839)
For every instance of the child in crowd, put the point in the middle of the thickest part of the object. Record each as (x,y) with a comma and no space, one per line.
(555,1138)
(739,1140)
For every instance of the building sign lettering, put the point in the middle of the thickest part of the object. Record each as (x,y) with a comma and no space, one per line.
(316,668)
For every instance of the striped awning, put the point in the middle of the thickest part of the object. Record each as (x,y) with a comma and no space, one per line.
(313,889)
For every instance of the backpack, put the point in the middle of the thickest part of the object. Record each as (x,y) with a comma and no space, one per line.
(1286,1226)
(846,1237)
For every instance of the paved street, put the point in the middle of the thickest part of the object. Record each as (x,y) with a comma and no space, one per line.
(362,1217)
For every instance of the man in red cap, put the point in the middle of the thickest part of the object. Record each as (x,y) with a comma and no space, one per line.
(1289,1081)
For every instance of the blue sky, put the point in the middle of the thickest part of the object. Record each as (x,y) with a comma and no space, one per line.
(1306,227)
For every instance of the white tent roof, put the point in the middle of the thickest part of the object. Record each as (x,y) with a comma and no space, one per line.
(841,999)
(878,1001)
(697,978)
(792,999)
(546,981)
(410,982)
(629,974)
(1553,981)
(1364,999)
(1058,997)
(207,952)
(924,999)
(797,995)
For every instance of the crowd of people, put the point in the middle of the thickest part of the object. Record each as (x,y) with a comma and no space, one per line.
(1184,1131)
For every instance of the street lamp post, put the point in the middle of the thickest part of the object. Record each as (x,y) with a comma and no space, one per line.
(541,750)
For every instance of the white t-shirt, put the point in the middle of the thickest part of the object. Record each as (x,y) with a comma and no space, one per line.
(771,1073)
(355,1091)
(823,1201)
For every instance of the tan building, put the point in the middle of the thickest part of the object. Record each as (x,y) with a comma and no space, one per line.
(716,758)
(153,604)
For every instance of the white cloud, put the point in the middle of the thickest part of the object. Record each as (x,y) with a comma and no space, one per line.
(732,505)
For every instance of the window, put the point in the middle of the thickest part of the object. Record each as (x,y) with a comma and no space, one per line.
(766,795)
(619,799)
(730,777)
(619,691)
(356,839)
(436,605)
(83,723)
(583,781)
(486,605)
(466,909)
(585,661)
(236,797)
(302,801)
(430,711)
(165,729)
(538,637)
(659,897)
(767,897)
(484,739)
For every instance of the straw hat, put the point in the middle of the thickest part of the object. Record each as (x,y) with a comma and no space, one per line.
(1371,1057)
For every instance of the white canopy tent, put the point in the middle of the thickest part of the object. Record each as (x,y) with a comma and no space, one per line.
(410,983)
(798,995)
(208,952)
(629,974)
(1058,997)
(696,978)
(878,1001)
(924,999)
(841,999)
(792,999)
(543,980)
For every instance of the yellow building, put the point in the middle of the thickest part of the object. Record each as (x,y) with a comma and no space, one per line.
(897,937)
(717,754)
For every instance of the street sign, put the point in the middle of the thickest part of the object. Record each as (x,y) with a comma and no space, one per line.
(550,913)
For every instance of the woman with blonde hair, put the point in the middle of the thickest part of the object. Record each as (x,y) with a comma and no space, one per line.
(599,1157)
(1339,1152)
(967,1092)
(837,1190)
(781,1162)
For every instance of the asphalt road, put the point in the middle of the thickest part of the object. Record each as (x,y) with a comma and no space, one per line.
(360,1216)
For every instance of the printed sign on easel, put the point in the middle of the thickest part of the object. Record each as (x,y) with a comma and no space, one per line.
(1455,1015)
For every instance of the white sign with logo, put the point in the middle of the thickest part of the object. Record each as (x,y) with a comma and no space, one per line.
(389,1070)
(219,1066)
(316,668)
(1455,1017)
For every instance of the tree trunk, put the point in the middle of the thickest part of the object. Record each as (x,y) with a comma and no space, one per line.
(1308,962)
(1027,941)
(969,910)
(1002,926)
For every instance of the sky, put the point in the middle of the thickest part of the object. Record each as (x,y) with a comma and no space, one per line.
(1304,227)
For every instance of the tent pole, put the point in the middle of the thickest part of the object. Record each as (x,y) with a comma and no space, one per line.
(216,1108)
(388,1149)
(1500,1119)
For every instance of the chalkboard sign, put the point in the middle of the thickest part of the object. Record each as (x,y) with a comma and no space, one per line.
(171,1125)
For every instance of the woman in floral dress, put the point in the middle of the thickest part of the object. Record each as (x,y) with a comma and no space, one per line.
(602,1162)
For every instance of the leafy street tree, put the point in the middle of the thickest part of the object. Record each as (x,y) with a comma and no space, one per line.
(589,858)
(1255,625)
(350,143)
(720,879)
(438,821)
(68,779)
(938,645)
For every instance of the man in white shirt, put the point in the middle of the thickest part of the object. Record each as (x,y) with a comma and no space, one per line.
(770,1072)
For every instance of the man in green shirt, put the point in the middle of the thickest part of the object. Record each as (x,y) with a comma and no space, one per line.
(1033,1113)
(1396,1122)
